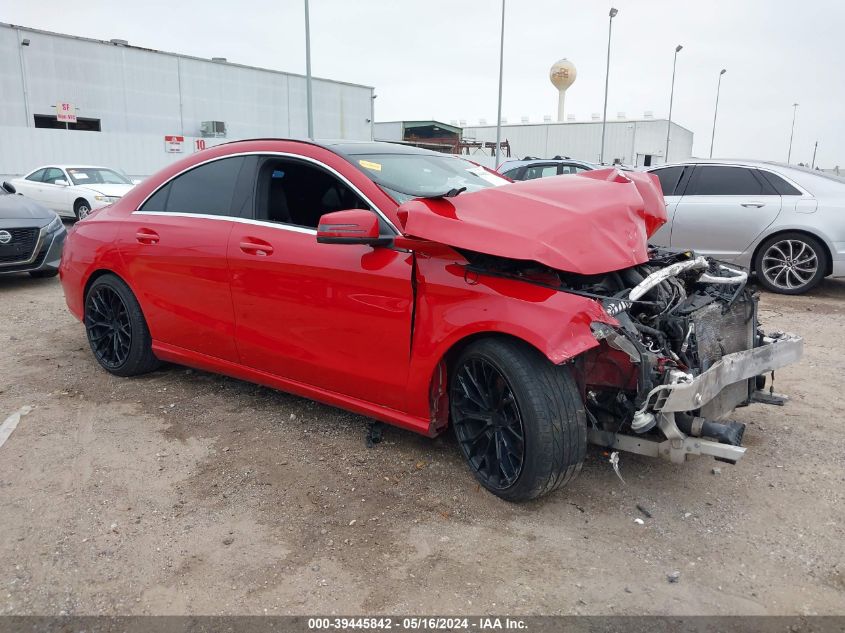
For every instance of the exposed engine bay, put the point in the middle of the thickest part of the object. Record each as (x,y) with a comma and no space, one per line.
(687,350)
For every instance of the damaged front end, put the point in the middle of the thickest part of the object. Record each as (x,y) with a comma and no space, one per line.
(686,350)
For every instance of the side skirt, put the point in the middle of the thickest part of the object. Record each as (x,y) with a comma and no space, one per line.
(180,356)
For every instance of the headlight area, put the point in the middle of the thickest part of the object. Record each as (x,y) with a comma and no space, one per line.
(107,199)
(54,226)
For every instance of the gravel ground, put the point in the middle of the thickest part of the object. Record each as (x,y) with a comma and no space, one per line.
(182,492)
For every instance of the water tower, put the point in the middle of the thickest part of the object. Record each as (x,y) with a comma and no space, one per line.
(562,75)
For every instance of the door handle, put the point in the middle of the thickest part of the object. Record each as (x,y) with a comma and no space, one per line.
(147,236)
(252,246)
(756,205)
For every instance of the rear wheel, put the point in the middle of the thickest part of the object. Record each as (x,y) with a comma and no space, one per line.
(791,263)
(518,418)
(117,332)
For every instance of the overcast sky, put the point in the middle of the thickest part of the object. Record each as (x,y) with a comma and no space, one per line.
(439,58)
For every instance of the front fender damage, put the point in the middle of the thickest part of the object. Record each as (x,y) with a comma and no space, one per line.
(456,304)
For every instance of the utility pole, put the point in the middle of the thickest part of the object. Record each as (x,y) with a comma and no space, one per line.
(792,133)
(499,109)
(671,98)
(309,103)
(612,14)
(716,110)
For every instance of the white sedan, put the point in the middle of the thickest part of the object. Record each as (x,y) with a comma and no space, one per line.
(74,191)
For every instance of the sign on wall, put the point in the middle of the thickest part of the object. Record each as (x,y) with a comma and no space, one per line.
(173,144)
(66,113)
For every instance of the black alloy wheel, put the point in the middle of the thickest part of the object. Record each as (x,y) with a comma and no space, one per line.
(116,328)
(108,326)
(488,424)
(519,419)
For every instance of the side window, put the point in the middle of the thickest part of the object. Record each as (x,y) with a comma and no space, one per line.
(779,184)
(298,193)
(669,178)
(53,175)
(37,176)
(512,173)
(540,171)
(714,180)
(221,187)
(567,169)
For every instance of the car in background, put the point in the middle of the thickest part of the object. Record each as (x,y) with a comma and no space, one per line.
(785,223)
(31,236)
(530,168)
(423,290)
(74,190)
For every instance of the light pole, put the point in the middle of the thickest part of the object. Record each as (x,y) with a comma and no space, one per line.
(815,149)
(792,133)
(671,98)
(612,15)
(308,72)
(716,110)
(499,109)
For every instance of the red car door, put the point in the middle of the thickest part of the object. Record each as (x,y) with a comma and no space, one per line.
(175,253)
(335,316)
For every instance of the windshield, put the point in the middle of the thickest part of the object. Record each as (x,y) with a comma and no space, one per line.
(406,176)
(96,176)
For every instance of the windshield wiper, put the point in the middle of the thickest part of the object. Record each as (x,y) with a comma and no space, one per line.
(449,194)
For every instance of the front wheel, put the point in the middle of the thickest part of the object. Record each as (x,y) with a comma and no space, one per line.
(518,418)
(116,328)
(791,263)
(82,208)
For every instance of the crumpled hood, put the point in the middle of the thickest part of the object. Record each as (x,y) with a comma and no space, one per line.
(108,189)
(590,223)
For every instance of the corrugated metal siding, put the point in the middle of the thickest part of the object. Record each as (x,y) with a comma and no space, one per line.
(136,91)
(388,131)
(136,154)
(627,141)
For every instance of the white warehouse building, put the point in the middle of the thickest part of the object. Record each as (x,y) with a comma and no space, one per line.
(636,142)
(126,99)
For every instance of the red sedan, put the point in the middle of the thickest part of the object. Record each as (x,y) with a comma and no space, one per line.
(425,291)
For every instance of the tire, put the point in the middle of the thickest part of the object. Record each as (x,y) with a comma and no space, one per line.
(791,263)
(541,397)
(81,209)
(112,312)
(43,274)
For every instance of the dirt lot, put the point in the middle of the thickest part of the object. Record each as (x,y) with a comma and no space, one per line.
(184,492)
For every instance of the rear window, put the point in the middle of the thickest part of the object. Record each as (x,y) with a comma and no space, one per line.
(669,178)
(780,185)
(211,189)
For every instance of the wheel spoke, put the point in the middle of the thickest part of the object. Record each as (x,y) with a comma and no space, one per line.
(108,326)
(487,423)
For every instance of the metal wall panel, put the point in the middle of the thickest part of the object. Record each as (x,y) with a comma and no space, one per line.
(627,141)
(139,92)
(136,154)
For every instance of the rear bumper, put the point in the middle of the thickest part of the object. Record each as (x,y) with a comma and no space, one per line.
(688,396)
(838,263)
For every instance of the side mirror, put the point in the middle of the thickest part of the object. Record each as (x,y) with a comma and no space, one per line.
(355,226)
(61,181)
(9,187)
